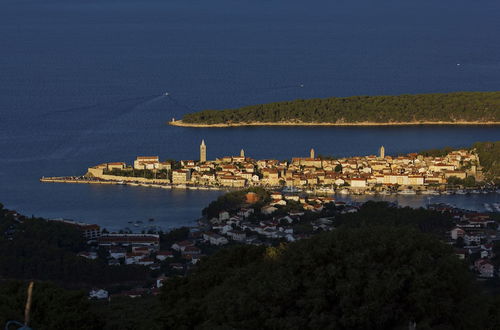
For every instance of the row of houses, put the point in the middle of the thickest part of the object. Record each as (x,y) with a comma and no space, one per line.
(358,172)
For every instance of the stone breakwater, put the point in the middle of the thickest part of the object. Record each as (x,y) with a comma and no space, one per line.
(150,183)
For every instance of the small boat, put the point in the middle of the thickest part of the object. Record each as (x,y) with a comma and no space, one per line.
(344,192)
(461,192)
(430,192)
(385,192)
(496,206)
(166,94)
(407,192)
(290,189)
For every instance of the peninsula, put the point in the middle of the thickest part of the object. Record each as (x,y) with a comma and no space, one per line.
(460,108)
(430,172)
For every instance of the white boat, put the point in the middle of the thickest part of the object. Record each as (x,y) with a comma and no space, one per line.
(290,189)
(344,192)
(429,192)
(385,192)
(461,192)
(474,191)
(496,206)
(407,192)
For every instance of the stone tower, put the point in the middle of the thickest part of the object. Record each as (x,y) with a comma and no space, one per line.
(382,152)
(242,153)
(203,152)
(312,153)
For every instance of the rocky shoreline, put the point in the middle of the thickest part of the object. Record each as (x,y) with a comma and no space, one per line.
(180,123)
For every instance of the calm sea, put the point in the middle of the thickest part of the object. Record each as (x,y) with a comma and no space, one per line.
(81,82)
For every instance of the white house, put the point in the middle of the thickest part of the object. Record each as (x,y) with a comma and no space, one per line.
(237,235)
(180,246)
(163,255)
(215,239)
(98,294)
(223,215)
(456,233)
(268,210)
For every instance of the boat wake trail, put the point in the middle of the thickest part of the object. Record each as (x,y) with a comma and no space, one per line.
(70,146)
(96,105)
(177,103)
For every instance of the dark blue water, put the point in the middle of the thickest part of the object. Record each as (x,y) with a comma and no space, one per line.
(80,83)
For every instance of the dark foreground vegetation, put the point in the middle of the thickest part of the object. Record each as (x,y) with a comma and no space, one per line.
(449,107)
(35,248)
(382,268)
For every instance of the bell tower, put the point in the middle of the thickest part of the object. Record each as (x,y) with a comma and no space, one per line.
(312,154)
(382,152)
(203,152)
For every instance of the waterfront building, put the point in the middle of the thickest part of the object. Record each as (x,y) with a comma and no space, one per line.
(203,152)
(116,165)
(181,176)
(89,231)
(152,240)
(147,163)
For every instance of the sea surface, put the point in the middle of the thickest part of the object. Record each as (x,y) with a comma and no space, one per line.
(83,82)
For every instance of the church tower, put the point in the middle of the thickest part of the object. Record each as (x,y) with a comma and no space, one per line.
(242,153)
(382,152)
(203,152)
(312,153)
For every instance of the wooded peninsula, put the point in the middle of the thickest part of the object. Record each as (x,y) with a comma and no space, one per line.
(443,108)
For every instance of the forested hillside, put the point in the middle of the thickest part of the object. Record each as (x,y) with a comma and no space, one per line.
(376,271)
(489,156)
(46,250)
(449,107)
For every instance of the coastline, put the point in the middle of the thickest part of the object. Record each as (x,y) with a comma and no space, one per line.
(83,180)
(180,123)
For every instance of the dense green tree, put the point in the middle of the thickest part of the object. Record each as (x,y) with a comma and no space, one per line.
(52,307)
(359,277)
(450,107)
(489,158)
(128,313)
(46,250)
(233,200)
